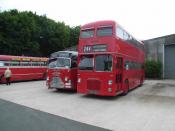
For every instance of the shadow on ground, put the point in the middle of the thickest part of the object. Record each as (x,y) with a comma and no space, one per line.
(14,117)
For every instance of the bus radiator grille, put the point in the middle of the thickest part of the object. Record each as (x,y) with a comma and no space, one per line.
(93,84)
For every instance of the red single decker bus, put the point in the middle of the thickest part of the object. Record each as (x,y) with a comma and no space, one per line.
(62,70)
(23,67)
(110,60)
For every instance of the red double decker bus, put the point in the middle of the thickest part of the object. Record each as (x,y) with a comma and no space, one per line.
(110,60)
(62,70)
(23,68)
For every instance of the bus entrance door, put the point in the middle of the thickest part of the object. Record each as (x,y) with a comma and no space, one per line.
(119,74)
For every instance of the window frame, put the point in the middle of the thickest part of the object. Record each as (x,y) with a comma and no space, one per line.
(105,27)
(86,29)
(112,66)
(92,63)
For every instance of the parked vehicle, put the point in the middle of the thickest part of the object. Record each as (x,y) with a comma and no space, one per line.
(23,68)
(110,60)
(62,70)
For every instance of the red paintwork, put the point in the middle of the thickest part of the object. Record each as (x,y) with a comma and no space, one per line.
(118,48)
(71,74)
(21,73)
(102,40)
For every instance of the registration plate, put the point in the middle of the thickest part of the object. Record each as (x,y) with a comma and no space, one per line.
(93,92)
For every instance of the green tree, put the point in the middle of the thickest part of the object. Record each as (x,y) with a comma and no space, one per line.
(26,33)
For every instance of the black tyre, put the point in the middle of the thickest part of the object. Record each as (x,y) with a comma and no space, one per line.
(126,88)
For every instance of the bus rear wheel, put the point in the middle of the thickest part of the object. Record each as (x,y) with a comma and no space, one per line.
(126,90)
(141,81)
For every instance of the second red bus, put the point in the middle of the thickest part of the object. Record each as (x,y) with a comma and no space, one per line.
(62,70)
(110,60)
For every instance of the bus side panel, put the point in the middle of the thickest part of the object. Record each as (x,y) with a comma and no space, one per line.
(131,54)
(73,77)
(25,73)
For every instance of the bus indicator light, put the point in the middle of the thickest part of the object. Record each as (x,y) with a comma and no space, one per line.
(109,89)
(110,82)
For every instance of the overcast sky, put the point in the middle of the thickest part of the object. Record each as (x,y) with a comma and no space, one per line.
(144,19)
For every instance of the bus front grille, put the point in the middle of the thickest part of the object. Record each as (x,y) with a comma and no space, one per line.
(93,84)
(57,82)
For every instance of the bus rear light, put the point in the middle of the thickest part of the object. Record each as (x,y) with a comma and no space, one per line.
(79,80)
(110,82)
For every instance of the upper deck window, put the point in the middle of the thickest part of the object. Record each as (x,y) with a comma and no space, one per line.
(1,63)
(88,33)
(120,33)
(104,31)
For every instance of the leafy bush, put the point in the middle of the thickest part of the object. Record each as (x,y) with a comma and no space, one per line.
(153,69)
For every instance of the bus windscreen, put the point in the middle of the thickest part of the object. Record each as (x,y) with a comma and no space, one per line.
(103,63)
(60,62)
(86,63)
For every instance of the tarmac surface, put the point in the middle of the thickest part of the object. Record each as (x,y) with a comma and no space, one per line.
(14,117)
(150,107)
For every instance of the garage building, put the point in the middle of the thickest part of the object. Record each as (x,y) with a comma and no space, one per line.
(162,49)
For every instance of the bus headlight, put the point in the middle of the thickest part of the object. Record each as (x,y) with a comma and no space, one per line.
(79,80)
(66,78)
(47,79)
(109,82)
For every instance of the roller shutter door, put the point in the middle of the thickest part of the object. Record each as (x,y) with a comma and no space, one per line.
(169,69)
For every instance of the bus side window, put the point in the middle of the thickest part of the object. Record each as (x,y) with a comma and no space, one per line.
(120,33)
(6,63)
(127,65)
(1,63)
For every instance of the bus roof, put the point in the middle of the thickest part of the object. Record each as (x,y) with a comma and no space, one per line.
(64,53)
(97,23)
(72,52)
(22,58)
